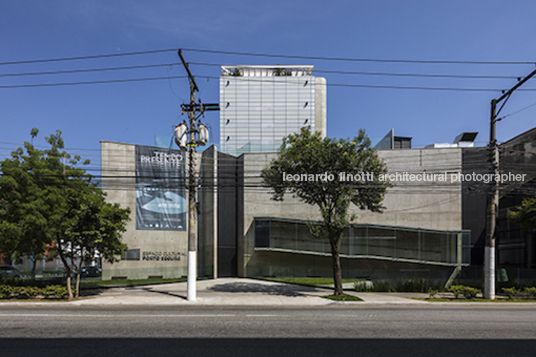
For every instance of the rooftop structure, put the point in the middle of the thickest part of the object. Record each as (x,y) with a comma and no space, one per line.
(267,71)
(260,105)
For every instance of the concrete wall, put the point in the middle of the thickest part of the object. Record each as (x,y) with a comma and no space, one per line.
(208,220)
(428,205)
(118,181)
(227,215)
(321,103)
(474,201)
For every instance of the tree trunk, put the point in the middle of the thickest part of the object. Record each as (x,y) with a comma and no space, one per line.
(66,270)
(34,263)
(69,289)
(78,275)
(78,284)
(337,277)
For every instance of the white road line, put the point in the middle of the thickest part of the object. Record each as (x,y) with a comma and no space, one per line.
(113,315)
(262,315)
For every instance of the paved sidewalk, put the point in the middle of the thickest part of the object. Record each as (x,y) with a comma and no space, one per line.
(225,292)
(391,298)
(231,291)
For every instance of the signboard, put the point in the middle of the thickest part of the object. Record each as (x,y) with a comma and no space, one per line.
(160,189)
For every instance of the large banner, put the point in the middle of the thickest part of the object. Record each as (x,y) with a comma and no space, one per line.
(160,189)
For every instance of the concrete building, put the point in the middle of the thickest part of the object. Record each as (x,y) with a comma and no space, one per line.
(242,232)
(431,227)
(150,181)
(260,105)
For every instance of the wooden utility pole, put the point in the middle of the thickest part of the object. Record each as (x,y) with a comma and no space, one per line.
(194,139)
(493,195)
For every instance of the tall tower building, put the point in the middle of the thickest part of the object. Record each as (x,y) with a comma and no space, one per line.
(259,105)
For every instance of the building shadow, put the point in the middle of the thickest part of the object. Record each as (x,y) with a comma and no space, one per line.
(269,289)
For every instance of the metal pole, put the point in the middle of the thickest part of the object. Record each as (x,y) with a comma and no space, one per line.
(493,202)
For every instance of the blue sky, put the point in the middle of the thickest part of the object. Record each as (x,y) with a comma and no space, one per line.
(134,112)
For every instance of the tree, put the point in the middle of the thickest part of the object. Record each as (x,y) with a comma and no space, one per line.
(49,203)
(312,169)
(25,204)
(93,228)
(525,215)
(84,224)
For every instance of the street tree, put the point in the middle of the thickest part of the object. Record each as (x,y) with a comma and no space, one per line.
(48,203)
(25,204)
(311,168)
(525,215)
(93,228)
(84,225)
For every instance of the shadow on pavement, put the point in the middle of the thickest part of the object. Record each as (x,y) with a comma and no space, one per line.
(167,293)
(275,289)
(91,292)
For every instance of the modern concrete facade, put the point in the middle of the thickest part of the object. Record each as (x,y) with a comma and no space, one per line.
(232,199)
(152,253)
(260,105)
(431,204)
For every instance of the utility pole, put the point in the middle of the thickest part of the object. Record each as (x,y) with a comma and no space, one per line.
(185,137)
(493,195)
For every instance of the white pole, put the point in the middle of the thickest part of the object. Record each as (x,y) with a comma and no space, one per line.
(192,275)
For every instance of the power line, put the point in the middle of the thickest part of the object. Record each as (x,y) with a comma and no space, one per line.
(391,73)
(419,75)
(87,70)
(358,59)
(88,57)
(517,111)
(258,80)
(252,54)
(90,82)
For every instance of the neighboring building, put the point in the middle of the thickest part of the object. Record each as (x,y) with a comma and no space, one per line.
(516,248)
(260,105)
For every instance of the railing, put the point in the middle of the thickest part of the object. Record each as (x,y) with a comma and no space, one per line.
(447,248)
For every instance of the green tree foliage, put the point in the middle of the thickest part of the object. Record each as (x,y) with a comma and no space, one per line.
(49,204)
(26,202)
(307,153)
(525,215)
(92,227)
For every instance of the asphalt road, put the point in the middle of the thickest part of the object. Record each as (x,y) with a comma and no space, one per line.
(355,330)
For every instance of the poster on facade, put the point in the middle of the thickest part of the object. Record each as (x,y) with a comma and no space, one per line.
(160,189)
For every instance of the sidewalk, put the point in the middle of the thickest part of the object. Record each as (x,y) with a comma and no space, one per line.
(229,292)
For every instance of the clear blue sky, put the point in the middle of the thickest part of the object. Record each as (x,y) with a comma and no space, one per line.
(134,112)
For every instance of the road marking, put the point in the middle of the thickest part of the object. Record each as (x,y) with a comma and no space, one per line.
(135,315)
(262,315)
(114,315)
